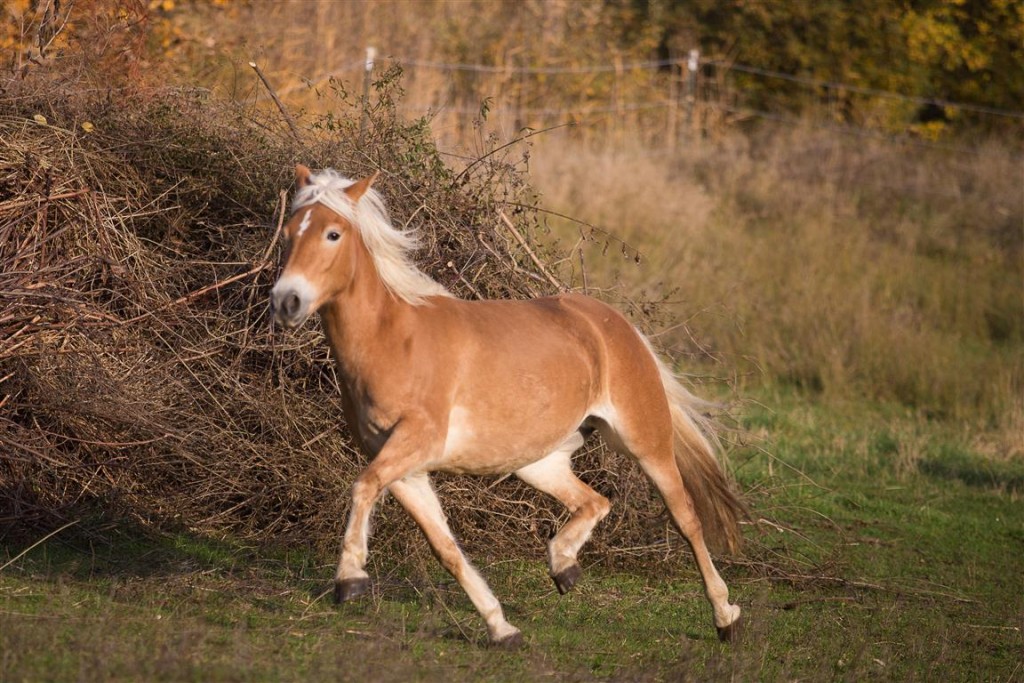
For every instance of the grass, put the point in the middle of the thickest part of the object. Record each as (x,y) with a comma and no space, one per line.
(847,267)
(876,553)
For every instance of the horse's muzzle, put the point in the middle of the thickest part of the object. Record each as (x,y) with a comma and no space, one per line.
(289,304)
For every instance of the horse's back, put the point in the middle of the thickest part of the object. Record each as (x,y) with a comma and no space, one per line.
(560,335)
(565,329)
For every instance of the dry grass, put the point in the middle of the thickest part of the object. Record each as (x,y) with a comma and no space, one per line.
(845,266)
(206,43)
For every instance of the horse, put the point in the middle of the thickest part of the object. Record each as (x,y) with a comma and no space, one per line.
(434,383)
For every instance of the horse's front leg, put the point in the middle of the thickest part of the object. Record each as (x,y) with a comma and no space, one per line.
(351,579)
(417,496)
(408,447)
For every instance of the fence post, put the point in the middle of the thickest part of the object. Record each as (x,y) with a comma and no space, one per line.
(619,124)
(371,54)
(692,65)
(673,104)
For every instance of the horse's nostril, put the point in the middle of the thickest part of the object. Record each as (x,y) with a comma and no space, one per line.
(291,304)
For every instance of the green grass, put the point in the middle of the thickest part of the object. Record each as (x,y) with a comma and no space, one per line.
(918,561)
(878,552)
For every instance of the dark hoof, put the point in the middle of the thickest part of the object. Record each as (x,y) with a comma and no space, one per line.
(509,642)
(567,578)
(349,589)
(731,633)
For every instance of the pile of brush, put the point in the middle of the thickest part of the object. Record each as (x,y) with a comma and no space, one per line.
(139,377)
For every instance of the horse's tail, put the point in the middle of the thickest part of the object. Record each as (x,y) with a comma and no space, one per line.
(716,502)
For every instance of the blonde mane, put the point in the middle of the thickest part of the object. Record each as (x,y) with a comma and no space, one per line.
(391,249)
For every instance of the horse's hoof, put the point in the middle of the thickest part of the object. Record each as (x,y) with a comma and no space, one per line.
(349,589)
(566,579)
(730,633)
(513,641)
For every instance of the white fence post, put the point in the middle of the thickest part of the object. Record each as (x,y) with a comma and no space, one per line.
(692,65)
(371,54)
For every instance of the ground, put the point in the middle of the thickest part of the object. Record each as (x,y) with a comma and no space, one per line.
(881,548)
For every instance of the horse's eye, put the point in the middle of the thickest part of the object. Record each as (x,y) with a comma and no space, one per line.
(334,235)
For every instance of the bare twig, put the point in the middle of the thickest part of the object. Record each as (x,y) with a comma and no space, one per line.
(533,257)
(463,280)
(191,296)
(793,604)
(280,105)
(282,204)
(8,206)
(36,544)
(43,47)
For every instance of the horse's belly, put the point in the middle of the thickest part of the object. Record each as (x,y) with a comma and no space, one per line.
(474,446)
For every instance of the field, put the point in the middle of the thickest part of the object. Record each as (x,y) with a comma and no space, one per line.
(174,473)
(867,569)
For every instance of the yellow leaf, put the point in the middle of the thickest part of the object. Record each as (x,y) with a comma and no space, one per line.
(40,119)
(87,126)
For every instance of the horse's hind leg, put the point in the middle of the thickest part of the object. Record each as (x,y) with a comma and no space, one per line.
(417,496)
(650,441)
(553,475)
(665,475)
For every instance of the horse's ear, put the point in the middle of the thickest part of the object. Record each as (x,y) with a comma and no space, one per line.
(302,174)
(359,188)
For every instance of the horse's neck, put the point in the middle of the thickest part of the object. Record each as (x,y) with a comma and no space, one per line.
(364,321)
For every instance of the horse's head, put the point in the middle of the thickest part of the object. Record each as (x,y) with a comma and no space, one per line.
(320,248)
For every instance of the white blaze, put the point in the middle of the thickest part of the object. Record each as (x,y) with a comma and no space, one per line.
(305,223)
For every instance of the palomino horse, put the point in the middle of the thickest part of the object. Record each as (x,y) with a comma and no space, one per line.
(435,383)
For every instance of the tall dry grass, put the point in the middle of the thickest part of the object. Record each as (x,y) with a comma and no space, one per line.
(306,47)
(845,266)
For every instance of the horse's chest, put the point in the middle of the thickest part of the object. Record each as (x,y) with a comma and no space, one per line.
(369,422)
(373,435)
